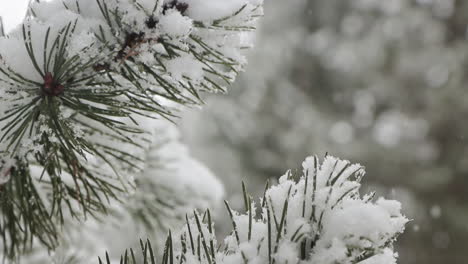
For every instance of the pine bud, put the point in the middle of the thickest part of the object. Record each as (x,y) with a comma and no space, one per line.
(51,87)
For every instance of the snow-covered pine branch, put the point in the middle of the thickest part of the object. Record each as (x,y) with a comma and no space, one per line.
(81,82)
(320,218)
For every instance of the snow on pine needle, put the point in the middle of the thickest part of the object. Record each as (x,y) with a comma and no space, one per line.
(320,218)
(81,82)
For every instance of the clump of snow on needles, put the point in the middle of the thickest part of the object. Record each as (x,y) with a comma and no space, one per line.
(320,218)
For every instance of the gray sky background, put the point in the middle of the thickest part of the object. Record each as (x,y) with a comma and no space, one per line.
(13,12)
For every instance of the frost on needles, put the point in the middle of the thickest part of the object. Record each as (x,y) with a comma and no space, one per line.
(81,82)
(319,218)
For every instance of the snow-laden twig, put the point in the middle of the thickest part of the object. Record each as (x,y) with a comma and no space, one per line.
(81,82)
(318,218)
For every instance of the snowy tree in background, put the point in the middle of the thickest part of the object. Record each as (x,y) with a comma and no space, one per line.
(90,161)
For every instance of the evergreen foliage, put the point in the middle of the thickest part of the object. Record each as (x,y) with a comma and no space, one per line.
(81,85)
(84,85)
(318,218)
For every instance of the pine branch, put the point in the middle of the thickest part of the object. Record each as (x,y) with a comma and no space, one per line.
(283,232)
(63,151)
(175,91)
(79,106)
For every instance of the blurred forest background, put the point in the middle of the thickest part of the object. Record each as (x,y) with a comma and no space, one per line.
(380,82)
